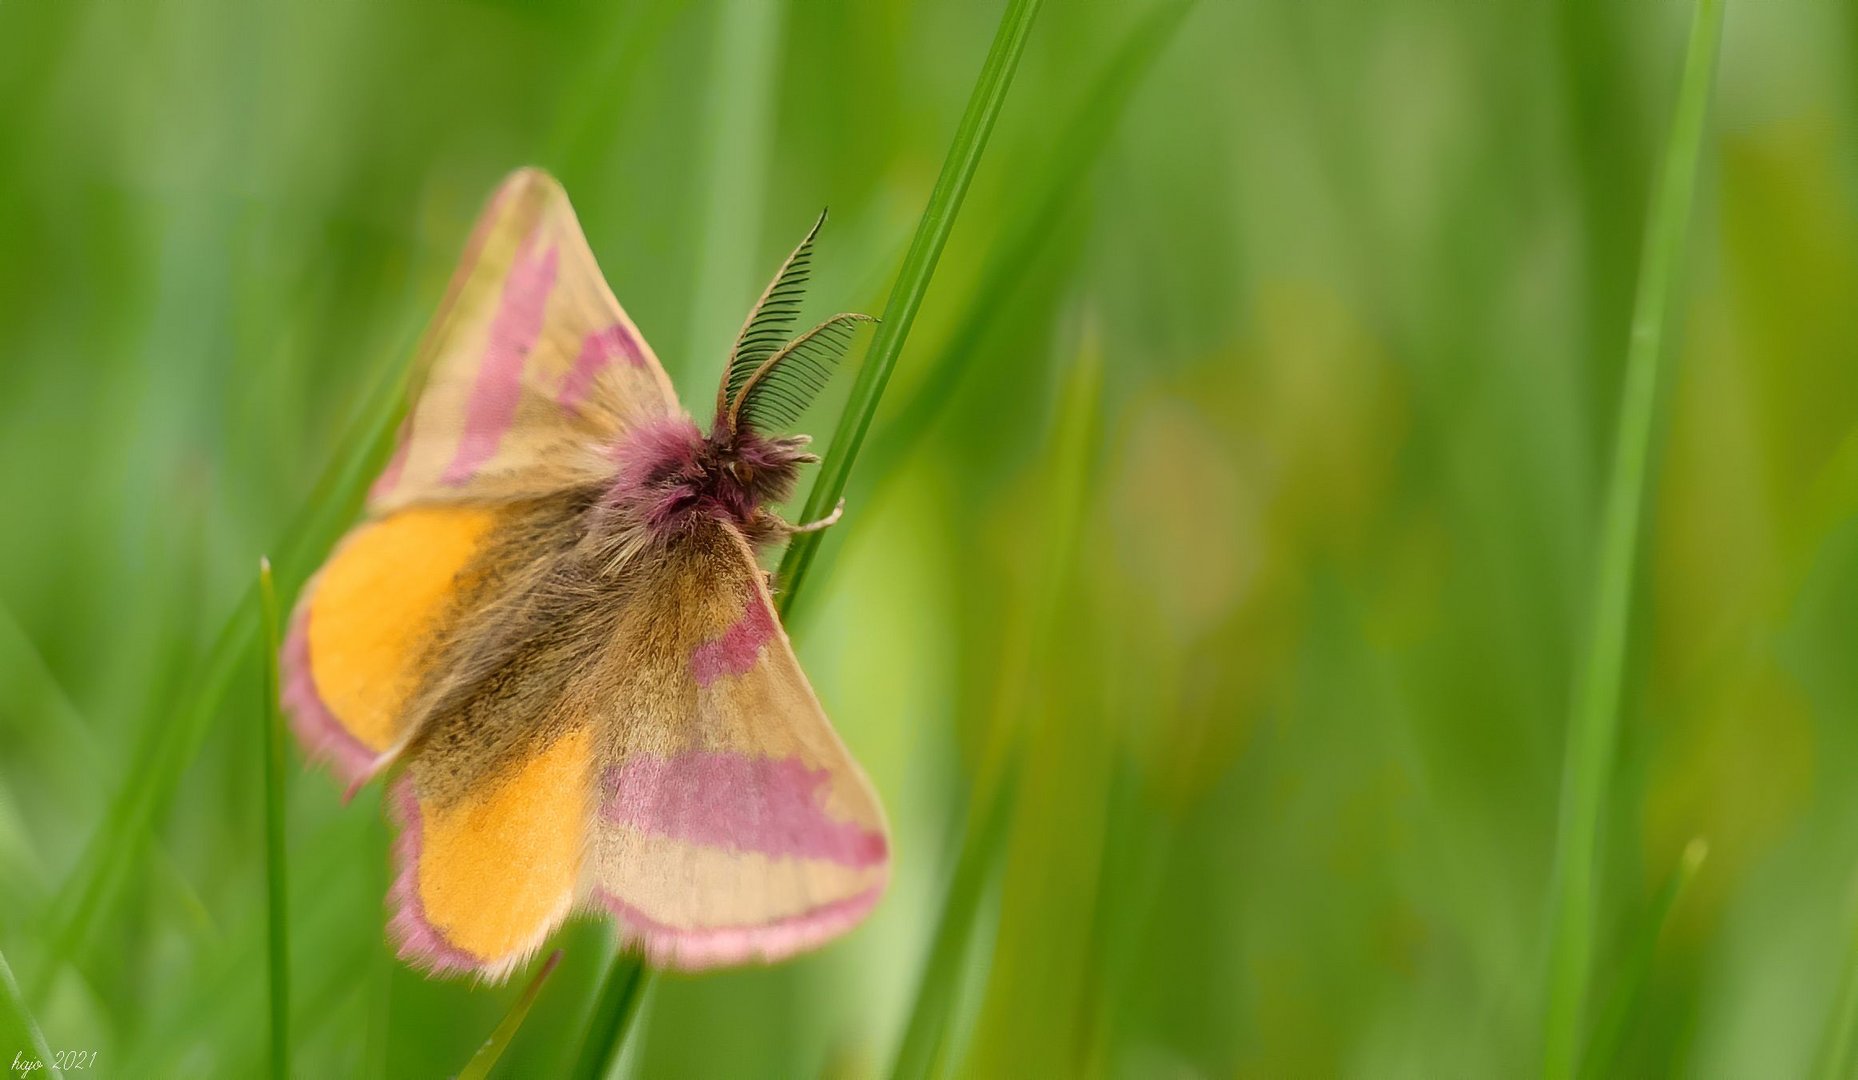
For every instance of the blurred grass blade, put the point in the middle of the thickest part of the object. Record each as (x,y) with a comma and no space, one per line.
(18,1031)
(1836,1056)
(912,283)
(612,1015)
(1067,167)
(738,134)
(486,1057)
(1594,722)
(31,684)
(168,743)
(153,774)
(576,136)
(997,778)
(277,894)
(983,836)
(1032,229)
(1628,994)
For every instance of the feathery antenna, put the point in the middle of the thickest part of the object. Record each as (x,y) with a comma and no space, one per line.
(777,392)
(769,322)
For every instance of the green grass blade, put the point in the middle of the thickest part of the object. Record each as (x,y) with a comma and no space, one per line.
(1835,1056)
(1593,725)
(997,780)
(276,892)
(1838,1046)
(1616,1016)
(18,1030)
(1084,137)
(983,838)
(1083,140)
(912,283)
(111,856)
(486,1057)
(739,138)
(576,135)
(170,742)
(620,995)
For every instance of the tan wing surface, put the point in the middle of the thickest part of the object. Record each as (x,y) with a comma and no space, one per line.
(732,823)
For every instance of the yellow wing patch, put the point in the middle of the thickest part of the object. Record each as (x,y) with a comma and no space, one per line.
(358,637)
(483,879)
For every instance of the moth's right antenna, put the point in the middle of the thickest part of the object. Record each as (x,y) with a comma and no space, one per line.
(776,393)
(769,322)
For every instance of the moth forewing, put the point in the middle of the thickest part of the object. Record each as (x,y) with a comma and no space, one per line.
(530,363)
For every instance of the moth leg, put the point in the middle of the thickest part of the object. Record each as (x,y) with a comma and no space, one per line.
(822,524)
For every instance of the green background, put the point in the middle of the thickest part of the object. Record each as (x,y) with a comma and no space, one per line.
(1243,471)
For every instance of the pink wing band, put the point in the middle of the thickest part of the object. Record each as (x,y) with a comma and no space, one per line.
(598,350)
(740,646)
(415,939)
(693,949)
(738,803)
(322,735)
(513,332)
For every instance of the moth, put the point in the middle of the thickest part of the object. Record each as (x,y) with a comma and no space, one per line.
(550,632)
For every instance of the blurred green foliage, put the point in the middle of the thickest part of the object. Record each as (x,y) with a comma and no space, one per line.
(1256,501)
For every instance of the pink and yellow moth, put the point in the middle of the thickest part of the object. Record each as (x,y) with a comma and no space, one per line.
(551,634)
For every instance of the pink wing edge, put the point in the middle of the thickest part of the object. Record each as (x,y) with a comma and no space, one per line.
(679,949)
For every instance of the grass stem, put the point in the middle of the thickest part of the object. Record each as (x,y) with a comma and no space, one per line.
(1623,1004)
(996,784)
(1594,723)
(1838,1043)
(1033,225)
(620,995)
(906,298)
(170,741)
(277,892)
(980,843)
(486,1057)
(17,1027)
(1013,260)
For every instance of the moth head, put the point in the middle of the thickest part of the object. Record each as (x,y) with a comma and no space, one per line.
(762,468)
(669,472)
